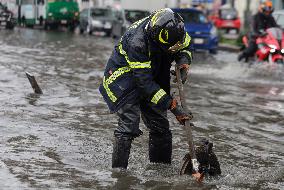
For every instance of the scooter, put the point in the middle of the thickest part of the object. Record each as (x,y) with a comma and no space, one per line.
(270,46)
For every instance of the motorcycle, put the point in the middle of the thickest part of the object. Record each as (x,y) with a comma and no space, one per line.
(270,46)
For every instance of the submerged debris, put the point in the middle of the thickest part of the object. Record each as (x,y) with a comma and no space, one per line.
(207,159)
(34,83)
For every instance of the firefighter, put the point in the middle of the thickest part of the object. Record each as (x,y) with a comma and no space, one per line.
(137,82)
(261,21)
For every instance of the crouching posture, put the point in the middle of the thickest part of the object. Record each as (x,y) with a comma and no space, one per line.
(136,83)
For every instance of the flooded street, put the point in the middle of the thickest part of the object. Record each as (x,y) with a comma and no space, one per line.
(63,138)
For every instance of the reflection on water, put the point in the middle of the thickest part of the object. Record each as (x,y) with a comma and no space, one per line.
(62,139)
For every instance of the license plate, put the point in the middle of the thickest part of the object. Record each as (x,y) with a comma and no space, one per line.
(63,21)
(97,23)
(3,23)
(229,24)
(198,40)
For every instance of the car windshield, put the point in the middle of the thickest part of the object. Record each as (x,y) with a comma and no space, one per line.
(101,13)
(275,32)
(228,14)
(134,15)
(193,17)
(27,2)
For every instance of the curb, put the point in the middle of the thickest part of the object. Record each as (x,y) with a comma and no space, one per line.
(228,47)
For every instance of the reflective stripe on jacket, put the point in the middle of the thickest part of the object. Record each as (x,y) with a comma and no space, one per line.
(138,69)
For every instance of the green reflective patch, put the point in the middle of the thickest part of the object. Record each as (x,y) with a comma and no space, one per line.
(134,65)
(111,79)
(108,91)
(186,41)
(188,53)
(158,95)
(137,23)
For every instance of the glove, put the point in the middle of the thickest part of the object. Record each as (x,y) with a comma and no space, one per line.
(263,34)
(184,68)
(179,112)
(260,33)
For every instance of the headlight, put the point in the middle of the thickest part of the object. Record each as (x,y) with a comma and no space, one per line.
(282,50)
(213,31)
(272,50)
(107,25)
(49,14)
(272,46)
(96,23)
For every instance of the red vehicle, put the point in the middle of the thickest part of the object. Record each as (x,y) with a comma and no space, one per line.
(227,19)
(270,46)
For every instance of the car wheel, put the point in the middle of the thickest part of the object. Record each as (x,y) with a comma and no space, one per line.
(10,26)
(112,35)
(108,34)
(71,28)
(213,51)
(47,26)
(81,30)
(279,61)
(88,29)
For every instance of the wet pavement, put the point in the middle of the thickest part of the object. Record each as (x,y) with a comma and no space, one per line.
(63,138)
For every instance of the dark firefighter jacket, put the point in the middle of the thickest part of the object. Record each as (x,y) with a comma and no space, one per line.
(139,69)
(262,22)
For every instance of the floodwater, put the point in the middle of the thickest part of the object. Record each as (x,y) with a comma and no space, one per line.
(63,138)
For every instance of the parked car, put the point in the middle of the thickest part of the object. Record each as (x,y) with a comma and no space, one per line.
(7,19)
(279,17)
(227,19)
(97,19)
(203,33)
(125,18)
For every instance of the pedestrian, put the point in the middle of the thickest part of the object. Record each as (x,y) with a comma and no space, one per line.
(137,82)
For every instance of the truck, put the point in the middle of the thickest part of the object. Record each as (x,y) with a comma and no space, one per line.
(50,13)
(62,12)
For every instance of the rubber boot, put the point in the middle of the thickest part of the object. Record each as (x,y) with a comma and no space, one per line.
(120,154)
(160,148)
(242,56)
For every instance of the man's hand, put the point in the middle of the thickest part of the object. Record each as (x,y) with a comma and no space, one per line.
(179,112)
(184,68)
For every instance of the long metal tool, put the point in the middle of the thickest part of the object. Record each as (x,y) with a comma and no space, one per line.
(191,157)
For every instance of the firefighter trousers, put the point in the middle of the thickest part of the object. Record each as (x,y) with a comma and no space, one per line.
(155,119)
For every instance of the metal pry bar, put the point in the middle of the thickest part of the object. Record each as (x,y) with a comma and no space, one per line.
(34,83)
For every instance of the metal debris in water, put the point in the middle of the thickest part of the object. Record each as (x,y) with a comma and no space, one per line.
(34,83)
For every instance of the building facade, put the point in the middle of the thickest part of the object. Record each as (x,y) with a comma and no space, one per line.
(138,4)
(11,4)
(85,4)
